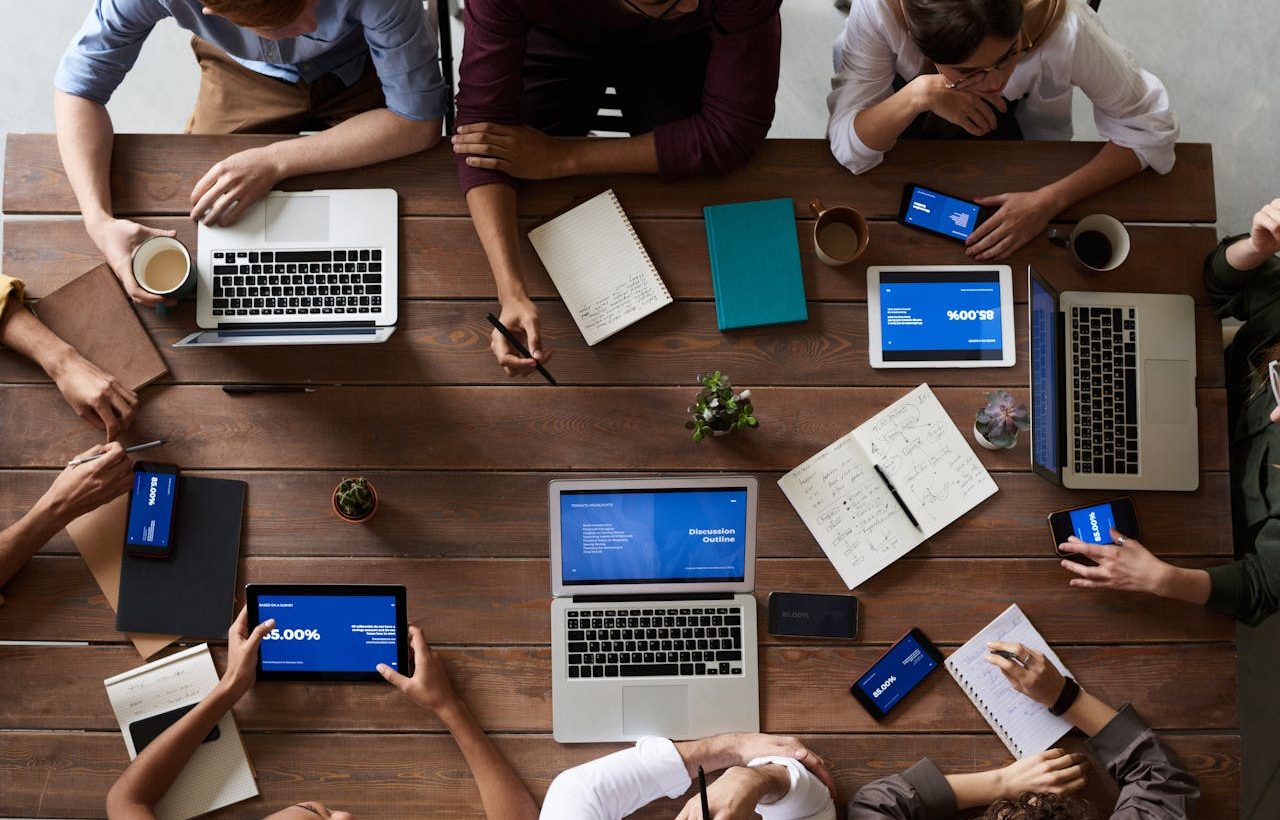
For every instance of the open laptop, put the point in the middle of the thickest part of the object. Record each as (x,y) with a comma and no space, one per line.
(653,626)
(1113,389)
(306,267)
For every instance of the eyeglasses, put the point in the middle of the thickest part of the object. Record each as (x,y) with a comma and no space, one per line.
(1272,372)
(975,76)
(666,13)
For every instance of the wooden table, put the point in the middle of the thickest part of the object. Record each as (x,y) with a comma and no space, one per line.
(461,456)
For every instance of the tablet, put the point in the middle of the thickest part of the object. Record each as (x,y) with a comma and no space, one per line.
(330,631)
(940,316)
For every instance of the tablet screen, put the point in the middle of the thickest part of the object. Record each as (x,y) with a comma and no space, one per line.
(930,316)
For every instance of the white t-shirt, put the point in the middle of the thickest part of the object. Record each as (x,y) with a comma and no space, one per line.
(1130,105)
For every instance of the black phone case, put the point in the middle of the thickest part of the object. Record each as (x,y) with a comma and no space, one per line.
(146,730)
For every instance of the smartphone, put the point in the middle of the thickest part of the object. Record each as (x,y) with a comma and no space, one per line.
(895,673)
(1092,524)
(941,214)
(805,615)
(148,729)
(153,506)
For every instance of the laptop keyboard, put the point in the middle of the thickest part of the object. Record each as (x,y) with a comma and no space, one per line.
(297,283)
(1105,368)
(645,642)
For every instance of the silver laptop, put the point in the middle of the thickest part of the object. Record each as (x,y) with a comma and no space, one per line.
(1113,389)
(653,627)
(307,267)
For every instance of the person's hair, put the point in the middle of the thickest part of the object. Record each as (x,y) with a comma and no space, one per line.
(257,13)
(950,31)
(1038,806)
(1261,371)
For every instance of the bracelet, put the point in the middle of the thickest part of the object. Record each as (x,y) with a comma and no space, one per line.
(1067,697)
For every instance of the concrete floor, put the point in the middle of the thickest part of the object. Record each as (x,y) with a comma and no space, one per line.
(1216,80)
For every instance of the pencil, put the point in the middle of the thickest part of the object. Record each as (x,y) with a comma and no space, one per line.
(76,462)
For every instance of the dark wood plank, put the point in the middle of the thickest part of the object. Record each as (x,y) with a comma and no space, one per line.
(155,173)
(509,690)
(506,601)
(504,515)
(442,258)
(526,426)
(49,774)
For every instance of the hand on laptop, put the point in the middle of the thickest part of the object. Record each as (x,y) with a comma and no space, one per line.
(1020,218)
(232,185)
(429,687)
(734,794)
(521,318)
(94,394)
(85,487)
(116,239)
(242,653)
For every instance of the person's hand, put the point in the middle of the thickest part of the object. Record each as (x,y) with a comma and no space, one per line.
(1020,218)
(116,239)
(94,394)
(429,687)
(85,487)
(242,652)
(518,150)
(1052,771)
(520,316)
(1036,677)
(232,185)
(970,110)
(1126,566)
(1264,235)
(734,794)
(748,746)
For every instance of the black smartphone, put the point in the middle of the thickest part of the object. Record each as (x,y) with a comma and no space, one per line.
(895,673)
(941,214)
(1092,524)
(806,615)
(153,506)
(148,729)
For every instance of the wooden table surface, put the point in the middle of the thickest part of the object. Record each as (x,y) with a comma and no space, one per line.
(461,457)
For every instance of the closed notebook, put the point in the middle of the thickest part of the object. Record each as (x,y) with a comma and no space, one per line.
(92,314)
(755,263)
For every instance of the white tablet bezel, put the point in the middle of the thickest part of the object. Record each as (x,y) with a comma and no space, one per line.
(1008,345)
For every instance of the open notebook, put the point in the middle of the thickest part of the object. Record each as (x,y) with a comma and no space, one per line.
(850,511)
(1026,727)
(603,273)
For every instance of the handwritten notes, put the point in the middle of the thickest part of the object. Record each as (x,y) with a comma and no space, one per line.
(603,273)
(849,509)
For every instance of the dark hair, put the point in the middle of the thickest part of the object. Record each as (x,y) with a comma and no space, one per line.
(1038,806)
(950,31)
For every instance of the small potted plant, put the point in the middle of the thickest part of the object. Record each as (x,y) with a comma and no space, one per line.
(717,410)
(355,500)
(996,426)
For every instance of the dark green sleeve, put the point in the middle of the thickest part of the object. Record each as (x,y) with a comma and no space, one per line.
(1249,589)
(1234,292)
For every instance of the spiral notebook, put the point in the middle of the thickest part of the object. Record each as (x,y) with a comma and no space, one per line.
(1026,727)
(603,272)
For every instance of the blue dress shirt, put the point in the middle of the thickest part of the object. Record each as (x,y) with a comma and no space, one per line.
(394,32)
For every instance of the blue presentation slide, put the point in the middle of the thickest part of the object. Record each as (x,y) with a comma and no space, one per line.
(944,315)
(1044,378)
(897,673)
(941,213)
(151,508)
(328,633)
(1093,524)
(668,535)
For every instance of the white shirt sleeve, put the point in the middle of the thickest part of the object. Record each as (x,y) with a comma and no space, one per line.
(807,799)
(865,65)
(616,785)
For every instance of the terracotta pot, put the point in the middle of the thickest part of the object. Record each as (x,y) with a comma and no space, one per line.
(333,499)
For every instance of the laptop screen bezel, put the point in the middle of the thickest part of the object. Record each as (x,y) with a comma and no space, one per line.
(742,482)
(1034,278)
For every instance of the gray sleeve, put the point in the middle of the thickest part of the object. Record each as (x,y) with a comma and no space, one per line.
(1153,783)
(919,793)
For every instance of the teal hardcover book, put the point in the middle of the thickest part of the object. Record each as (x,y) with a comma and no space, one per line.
(755,263)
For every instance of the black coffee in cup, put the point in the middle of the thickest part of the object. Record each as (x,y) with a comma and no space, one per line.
(1093,248)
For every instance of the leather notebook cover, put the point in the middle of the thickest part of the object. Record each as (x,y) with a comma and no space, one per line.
(192,592)
(755,263)
(93,315)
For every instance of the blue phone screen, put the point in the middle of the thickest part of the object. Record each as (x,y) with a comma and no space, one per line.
(151,509)
(1093,524)
(897,673)
(941,213)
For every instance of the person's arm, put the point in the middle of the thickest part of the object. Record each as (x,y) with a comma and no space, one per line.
(135,794)
(1132,567)
(1249,589)
(502,793)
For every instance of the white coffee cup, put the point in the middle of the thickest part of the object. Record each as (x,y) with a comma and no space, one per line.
(162,265)
(1098,243)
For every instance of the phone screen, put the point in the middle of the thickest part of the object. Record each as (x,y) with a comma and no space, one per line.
(151,509)
(939,213)
(898,672)
(813,616)
(1093,524)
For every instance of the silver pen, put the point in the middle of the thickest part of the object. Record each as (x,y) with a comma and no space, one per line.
(76,462)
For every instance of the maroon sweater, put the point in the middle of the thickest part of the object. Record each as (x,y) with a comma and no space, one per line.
(737,96)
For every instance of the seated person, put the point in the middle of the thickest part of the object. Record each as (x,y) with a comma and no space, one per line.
(135,795)
(1243,278)
(695,80)
(997,68)
(1152,782)
(365,69)
(775,776)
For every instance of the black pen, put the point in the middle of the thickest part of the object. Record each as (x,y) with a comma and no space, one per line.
(897,497)
(1007,655)
(521,349)
(246,389)
(702,787)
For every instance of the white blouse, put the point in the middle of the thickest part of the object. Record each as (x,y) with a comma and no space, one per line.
(1130,105)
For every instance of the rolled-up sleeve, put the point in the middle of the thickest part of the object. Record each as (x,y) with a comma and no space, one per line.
(405,51)
(864,71)
(807,798)
(616,785)
(106,47)
(1153,783)
(1130,105)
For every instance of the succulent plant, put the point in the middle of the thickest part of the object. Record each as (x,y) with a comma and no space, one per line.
(355,498)
(1001,420)
(717,409)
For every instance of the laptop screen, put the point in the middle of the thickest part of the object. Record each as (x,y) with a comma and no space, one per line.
(681,535)
(1045,380)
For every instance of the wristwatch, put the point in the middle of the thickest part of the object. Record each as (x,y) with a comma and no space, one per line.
(1070,691)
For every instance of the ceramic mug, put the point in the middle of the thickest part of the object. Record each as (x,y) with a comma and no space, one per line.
(1098,243)
(162,265)
(839,233)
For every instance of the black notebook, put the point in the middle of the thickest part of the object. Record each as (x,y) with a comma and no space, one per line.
(192,592)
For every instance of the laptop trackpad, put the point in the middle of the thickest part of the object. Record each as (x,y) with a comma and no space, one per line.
(655,710)
(297,219)
(1165,399)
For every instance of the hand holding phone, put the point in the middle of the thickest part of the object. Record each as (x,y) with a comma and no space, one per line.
(153,507)
(1092,524)
(941,214)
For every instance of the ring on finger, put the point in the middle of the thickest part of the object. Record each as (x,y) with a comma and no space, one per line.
(1120,539)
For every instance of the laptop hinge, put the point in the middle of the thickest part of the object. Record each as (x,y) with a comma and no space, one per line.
(1064,385)
(224,327)
(673,596)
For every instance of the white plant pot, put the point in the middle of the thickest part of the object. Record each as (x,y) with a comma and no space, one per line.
(981,439)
